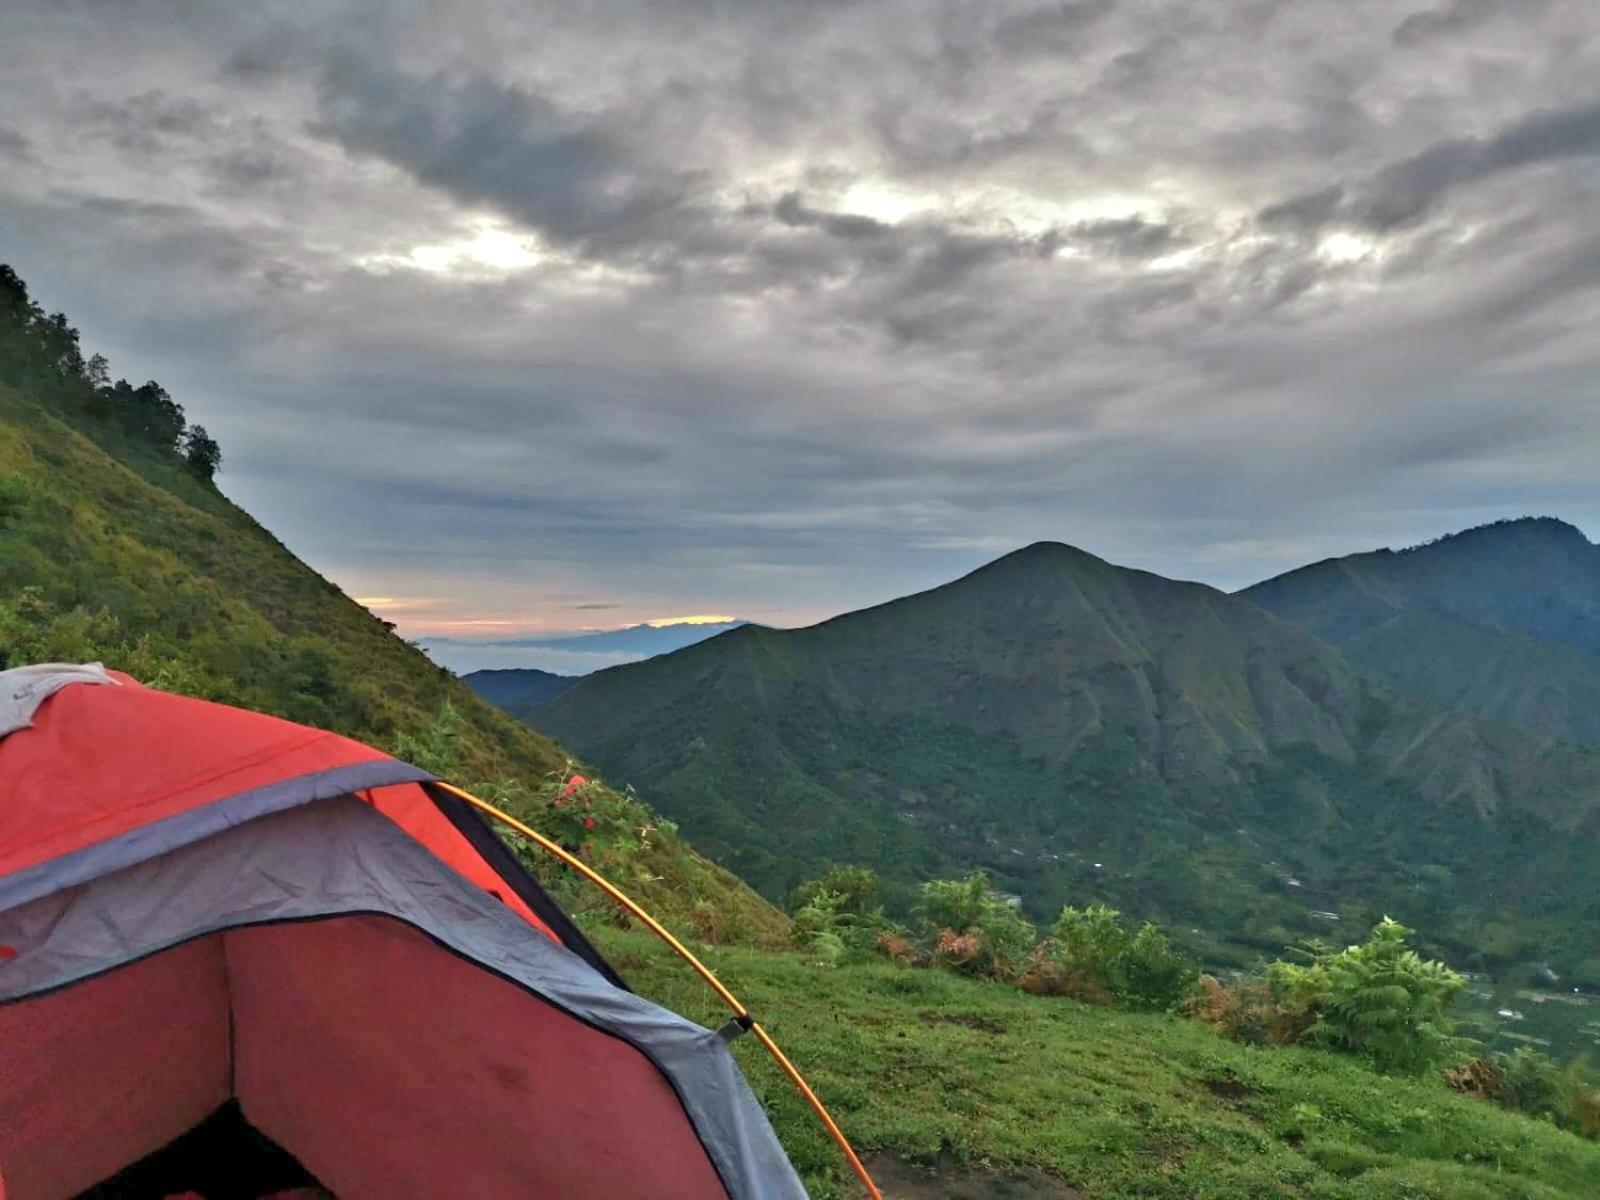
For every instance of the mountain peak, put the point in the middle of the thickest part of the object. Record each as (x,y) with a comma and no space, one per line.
(1046,552)
(1527,531)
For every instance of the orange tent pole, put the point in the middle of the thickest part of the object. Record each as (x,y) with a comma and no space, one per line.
(560,852)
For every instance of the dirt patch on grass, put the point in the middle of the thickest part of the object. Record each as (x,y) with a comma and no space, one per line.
(978,1023)
(943,1179)
(1230,1091)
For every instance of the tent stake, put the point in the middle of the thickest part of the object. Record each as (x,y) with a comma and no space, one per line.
(654,926)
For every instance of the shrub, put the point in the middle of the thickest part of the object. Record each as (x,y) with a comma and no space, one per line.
(1380,1000)
(1088,939)
(838,912)
(816,926)
(899,948)
(856,887)
(1149,973)
(1046,977)
(1383,1001)
(1250,1011)
(1532,1083)
(1091,954)
(973,929)
(955,903)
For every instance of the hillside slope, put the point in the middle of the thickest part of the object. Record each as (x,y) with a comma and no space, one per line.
(1502,621)
(113,548)
(1088,731)
(996,1093)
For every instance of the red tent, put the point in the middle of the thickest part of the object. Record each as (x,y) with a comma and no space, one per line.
(238,955)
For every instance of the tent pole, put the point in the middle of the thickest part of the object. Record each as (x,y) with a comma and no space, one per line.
(739,1010)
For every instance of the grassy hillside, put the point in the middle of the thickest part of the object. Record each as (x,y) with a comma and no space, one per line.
(1088,732)
(113,547)
(1502,621)
(1060,1100)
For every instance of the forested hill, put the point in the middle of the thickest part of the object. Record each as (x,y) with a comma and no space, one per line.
(1502,620)
(518,688)
(116,545)
(1086,731)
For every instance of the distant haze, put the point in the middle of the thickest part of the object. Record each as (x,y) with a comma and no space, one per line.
(577,654)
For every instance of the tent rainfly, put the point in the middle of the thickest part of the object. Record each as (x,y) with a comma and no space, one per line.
(240,957)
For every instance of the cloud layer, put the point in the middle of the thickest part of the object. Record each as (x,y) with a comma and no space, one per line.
(781,309)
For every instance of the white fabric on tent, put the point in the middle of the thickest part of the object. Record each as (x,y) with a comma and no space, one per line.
(23,689)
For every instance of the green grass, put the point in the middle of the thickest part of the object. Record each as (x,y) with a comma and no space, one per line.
(927,1065)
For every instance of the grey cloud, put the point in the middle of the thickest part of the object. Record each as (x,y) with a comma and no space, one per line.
(145,123)
(15,146)
(1459,16)
(1308,210)
(274,50)
(1129,237)
(1052,29)
(793,211)
(1408,190)
(569,175)
(1405,191)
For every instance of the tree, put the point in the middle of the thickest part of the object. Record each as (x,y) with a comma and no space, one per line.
(61,346)
(97,372)
(153,413)
(201,452)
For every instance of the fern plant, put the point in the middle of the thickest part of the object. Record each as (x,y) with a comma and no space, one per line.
(1381,1000)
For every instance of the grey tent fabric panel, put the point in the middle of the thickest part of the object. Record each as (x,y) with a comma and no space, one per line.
(341,857)
(161,837)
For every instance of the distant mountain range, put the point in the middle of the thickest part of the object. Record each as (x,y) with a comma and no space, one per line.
(1087,731)
(572,654)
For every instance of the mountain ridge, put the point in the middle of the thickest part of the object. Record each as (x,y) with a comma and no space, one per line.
(514,688)
(1501,620)
(1051,704)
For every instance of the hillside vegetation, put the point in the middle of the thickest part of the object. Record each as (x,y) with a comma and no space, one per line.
(983,1088)
(1502,621)
(1090,733)
(115,545)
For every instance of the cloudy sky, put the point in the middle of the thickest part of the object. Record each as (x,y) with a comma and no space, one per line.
(553,315)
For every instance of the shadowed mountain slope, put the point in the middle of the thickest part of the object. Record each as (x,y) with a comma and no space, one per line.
(1502,621)
(518,688)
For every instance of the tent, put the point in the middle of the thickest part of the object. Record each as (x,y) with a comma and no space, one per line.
(240,956)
